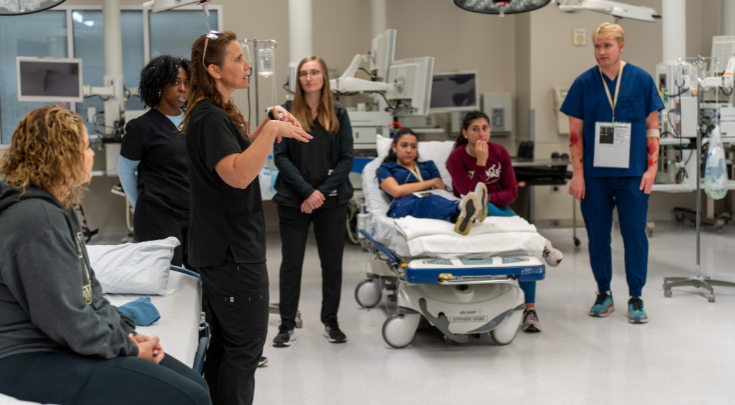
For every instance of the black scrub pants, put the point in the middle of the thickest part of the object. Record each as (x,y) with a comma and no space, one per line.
(238,304)
(65,377)
(330,231)
(153,222)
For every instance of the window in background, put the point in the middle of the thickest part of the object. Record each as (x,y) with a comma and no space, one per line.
(41,34)
(173,32)
(89,46)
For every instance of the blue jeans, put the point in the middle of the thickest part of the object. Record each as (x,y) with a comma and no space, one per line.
(601,196)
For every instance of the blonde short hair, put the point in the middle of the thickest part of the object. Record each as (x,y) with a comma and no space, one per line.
(607,30)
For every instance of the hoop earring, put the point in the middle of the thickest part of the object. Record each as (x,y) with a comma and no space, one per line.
(159,93)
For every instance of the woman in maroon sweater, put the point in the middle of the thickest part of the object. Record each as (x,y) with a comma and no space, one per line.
(477,161)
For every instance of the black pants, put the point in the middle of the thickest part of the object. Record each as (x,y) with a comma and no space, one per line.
(153,222)
(238,304)
(330,232)
(65,377)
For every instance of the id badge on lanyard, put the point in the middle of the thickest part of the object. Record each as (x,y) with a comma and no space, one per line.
(612,139)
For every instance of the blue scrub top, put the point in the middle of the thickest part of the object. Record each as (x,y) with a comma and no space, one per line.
(587,100)
(402,175)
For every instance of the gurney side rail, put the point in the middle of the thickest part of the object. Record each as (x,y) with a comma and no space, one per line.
(380,247)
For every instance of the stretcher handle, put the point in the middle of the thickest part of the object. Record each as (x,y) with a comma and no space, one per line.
(476,280)
(382,248)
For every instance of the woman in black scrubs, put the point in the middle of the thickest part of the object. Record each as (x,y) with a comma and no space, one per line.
(155,147)
(313,185)
(227,234)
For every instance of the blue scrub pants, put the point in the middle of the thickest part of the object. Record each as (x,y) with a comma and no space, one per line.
(493,211)
(601,196)
(431,206)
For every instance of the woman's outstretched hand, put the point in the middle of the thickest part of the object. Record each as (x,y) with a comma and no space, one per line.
(287,130)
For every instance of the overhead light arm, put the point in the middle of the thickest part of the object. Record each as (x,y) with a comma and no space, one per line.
(613,8)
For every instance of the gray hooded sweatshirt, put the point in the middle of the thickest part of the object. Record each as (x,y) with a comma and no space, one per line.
(49,297)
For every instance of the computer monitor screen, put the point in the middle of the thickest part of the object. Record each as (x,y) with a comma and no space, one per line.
(49,80)
(382,54)
(410,81)
(455,91)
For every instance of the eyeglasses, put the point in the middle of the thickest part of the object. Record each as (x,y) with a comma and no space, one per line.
(313,73)
(210,35)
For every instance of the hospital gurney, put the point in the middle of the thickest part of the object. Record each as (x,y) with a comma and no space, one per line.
(461,284)
(182,330)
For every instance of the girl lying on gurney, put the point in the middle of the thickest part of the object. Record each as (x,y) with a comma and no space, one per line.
(402,177)
(61,341)
(474,161)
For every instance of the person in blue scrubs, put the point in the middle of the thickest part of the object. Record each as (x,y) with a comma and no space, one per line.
(614,92)
(401,175)
(154,146)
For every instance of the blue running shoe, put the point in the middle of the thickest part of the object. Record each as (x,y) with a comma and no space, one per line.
(603,305)
(636,312)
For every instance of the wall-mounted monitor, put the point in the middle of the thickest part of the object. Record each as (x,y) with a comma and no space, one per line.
(454,91)
(382,54)
(49,80)
(411,85)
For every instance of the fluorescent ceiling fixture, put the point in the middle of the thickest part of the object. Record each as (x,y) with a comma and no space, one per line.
(500,6)
(613,8)
(77,16)
(89,23)
(20,7)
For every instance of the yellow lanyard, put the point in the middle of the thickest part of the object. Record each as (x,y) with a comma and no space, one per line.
(416,172)
(617,88)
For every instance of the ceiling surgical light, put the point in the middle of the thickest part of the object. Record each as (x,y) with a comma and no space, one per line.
(20,7)
(500,7)
(613,8)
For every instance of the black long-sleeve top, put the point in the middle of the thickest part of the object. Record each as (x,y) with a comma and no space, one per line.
(302,165)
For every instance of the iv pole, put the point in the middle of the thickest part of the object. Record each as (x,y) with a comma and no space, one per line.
(697,281)
(270,43)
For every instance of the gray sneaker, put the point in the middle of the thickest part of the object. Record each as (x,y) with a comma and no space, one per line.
(284,337)
(530,321)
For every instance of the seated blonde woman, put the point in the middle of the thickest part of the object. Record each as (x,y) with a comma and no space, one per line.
(61,341)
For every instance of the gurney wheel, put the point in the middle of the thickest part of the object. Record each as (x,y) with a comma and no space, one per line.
(576,242)
(399,330)
(507,331)
(368,293)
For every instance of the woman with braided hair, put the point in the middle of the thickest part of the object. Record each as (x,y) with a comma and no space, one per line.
(155,147)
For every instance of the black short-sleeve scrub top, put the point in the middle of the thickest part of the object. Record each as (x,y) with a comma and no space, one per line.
(222,217)
(161,149)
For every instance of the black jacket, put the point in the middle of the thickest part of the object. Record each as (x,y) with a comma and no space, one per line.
(291,181)
(49,297)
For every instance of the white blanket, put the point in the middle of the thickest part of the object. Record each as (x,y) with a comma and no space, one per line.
(412,228)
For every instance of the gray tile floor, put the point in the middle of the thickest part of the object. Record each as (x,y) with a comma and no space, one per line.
(685,355)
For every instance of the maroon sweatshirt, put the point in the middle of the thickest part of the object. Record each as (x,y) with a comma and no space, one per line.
(497,174)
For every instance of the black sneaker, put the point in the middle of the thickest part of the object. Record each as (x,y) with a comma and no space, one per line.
(332,332)
(262,361)
(284,337)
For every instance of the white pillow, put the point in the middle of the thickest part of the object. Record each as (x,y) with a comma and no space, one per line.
(134,268)
(383,146)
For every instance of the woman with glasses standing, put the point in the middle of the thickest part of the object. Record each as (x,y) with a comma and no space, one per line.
(154,146)
(313,185)
(227,234)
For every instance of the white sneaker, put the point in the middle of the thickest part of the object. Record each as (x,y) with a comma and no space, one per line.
(469,209)
(530,321)
(552,256)
(481,191)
